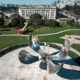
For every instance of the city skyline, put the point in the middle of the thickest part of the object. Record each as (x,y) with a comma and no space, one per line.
(30,2)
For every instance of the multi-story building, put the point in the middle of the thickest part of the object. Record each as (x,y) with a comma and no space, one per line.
(61,5)
(48,11)
(77,2)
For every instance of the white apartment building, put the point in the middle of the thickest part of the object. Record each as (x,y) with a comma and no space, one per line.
(61,5)
(46,11)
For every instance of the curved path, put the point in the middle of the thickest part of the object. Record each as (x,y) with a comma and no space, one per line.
(72,49)
(40,34)
(12,69)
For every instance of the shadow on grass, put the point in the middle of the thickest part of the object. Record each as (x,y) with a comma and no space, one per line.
(5,30)
(27,32)
(77,60)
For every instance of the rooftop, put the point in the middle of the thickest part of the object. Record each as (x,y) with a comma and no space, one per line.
(35,6)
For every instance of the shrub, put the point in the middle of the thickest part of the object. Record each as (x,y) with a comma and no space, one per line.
(35,19)
(70,22)
(17,21)
(53,23)
(77,25)
(1,21)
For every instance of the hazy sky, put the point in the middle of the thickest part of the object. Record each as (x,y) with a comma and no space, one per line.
(36,2)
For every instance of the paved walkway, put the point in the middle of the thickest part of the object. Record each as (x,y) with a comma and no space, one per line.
(12,69)
(72,49)
(40,34)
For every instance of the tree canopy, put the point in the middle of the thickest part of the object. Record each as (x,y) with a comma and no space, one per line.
(75,9)
(35,19)
(1,21)
(17,20)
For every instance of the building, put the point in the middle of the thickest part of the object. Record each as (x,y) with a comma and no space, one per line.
(77,2)
(61,5)
(70,3)
(48,11)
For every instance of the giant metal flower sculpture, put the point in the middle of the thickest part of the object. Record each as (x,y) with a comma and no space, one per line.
(53,62)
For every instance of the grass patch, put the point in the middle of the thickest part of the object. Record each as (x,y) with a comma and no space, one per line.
(6,41)
(8,31)
(65,19)
(76,46)
(56,38)
(36,30)
(47,30)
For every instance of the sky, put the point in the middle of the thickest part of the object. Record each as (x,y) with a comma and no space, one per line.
(31,2)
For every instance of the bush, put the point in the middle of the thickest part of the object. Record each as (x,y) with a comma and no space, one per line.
(17,21)
(35,19)
(70,22)
(30,29)
(45,22)
(1,15)
(1,21)
(77,25)
(53,23)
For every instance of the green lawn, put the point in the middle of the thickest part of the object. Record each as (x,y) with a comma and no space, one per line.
(65,19)
(9,41)
(39,30)
(76,46)
(8,31)
(56,39)
(47,30)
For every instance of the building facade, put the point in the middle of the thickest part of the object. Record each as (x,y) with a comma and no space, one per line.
(46,11)
(61,5)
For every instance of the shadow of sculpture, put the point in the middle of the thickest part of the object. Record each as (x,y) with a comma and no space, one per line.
(27,58)
(55,53)
(69,62)
(69,74)
(43,65)
(66,61)
(5,30)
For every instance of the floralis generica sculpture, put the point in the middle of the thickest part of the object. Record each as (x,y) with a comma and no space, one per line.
(53,62)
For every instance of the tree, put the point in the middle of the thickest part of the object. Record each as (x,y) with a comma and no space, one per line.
(35,19)
(1,18)
(1,15)
(53,23)
(17,21)
(75,9)
(1,21)
(71,22)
